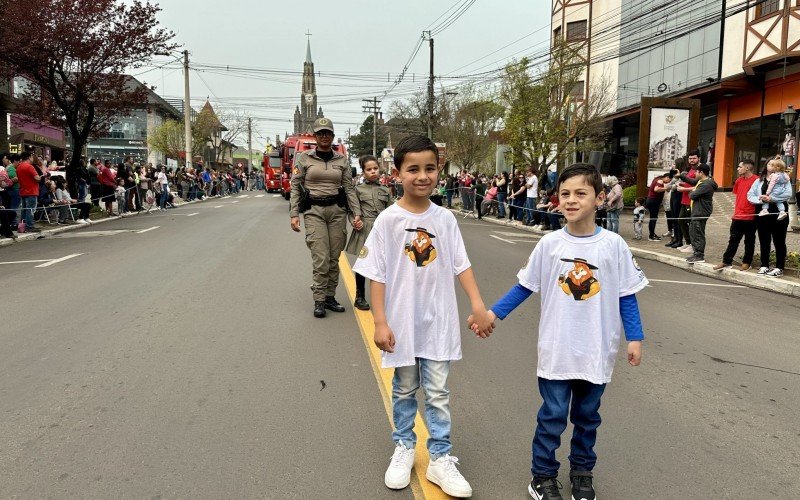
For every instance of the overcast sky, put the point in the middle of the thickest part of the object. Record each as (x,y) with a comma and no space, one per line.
(356,40)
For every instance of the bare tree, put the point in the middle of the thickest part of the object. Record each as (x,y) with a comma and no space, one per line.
(465,122)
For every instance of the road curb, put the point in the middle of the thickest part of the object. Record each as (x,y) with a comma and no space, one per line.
(749,279)
(72,227)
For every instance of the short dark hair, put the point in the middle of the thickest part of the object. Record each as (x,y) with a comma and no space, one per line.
(14,157)
(589,173)
(704,168)
(749,163)
(640,200)
(363,160)
(694,152)
(25,155)
(413,144)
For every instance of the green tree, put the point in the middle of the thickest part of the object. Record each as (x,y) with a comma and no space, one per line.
(169,138)
(550,117)
(464,124)
(361,143)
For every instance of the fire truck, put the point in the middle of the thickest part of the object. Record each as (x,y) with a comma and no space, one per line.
(291,147)
(272,171)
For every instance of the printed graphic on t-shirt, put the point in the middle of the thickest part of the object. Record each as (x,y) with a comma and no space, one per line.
(579,281)
(420,249)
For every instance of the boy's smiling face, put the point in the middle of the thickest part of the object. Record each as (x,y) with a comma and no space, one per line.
(418,174)
(578,200)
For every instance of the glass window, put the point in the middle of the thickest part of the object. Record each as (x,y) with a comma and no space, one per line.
(576,31)
(577,90)
(767,7)
(682,49)
(711,37)
(695,43)
(557,34)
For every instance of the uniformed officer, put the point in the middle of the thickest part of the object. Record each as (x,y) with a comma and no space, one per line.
(324,173)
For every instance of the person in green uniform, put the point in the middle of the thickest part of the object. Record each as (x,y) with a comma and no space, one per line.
(373,199)
(325,178)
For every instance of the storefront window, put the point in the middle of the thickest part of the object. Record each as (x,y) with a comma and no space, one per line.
(129,127)
(758,140)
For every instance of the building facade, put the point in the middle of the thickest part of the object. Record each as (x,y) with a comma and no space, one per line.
(307,112)
(740,60)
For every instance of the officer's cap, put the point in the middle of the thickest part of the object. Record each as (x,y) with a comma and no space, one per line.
(321,124)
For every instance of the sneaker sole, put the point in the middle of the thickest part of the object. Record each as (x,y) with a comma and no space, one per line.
(397,486)
(595,497)
(535,495)
(452,493)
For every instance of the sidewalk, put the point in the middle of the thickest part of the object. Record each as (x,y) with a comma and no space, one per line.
(717,232)
(50,230)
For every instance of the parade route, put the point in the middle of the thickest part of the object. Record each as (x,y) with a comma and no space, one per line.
(209,377)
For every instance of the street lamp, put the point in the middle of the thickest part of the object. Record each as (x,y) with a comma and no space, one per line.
(790,119)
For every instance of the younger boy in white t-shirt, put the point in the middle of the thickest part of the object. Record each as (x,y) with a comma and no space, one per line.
(587,278)
(411,255)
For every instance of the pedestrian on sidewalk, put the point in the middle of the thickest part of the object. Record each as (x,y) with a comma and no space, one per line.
(479,194)
(702,197)
(672,198)
(685,187)
(29,179)
(655,196)
(108,183)
(412,255)
(638,218)
(588,280)
(743,223)
(531,196)
(373,199)
(771,231)
(516,197)
(502,194)
(615,203)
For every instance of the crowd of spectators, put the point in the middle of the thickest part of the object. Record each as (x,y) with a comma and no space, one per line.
(34,192)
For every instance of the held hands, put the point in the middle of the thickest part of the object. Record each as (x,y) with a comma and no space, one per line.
(481,322)
(635,352)
(295,222)
(384,337)
(358,224)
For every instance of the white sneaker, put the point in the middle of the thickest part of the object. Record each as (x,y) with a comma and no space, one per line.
(668,233)
(775,273)
(686,249)
(398,474)
(763,270)
(782,215)
(443,471)
(763,212)
(82,221)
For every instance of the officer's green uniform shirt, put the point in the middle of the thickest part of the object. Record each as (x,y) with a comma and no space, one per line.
(322,179)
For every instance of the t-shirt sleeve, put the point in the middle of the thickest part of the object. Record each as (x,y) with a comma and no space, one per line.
(371,261)
(530,276)
(460,259)
(631,276)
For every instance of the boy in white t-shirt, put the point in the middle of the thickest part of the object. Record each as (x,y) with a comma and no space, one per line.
(411,255)
(587,278)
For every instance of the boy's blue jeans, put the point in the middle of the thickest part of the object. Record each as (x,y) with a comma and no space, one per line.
(432,377)
(552,420)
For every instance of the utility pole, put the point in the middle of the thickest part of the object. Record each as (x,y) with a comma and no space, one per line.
(249,145)
(430,89)
(187,109)
(373,106)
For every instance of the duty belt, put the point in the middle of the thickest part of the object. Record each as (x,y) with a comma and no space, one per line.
(325,201)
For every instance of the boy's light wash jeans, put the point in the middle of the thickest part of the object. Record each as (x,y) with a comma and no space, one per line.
(432,377)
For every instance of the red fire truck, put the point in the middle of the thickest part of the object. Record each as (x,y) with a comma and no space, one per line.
(292,146)
(272,171)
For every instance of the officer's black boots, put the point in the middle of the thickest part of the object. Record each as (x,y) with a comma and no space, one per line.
(360,302)
(319,309)
(330,303)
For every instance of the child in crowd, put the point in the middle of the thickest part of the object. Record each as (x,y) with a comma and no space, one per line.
(638,218)
(587,278)
(414,250)
(779,188)
(373,199)
(119,194)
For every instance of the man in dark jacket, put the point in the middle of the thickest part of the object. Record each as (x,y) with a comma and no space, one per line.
(702,198)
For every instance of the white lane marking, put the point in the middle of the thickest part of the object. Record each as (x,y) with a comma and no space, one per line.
(192,215)
(697,283)
(218,206)
(518,235)
(234,201)
(56,261)
(244,196)
(277,196)
(259,196)
(502,239)
(147,230)
(25,262)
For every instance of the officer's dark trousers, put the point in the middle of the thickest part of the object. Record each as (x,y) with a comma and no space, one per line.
(697,232)
(326,235)
(741,229)
(683,223)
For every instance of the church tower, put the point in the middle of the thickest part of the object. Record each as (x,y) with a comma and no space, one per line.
(307,112)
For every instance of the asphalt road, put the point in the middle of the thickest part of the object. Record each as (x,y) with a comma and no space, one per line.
(184,362)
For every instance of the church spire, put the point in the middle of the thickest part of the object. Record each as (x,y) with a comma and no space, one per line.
(308,52)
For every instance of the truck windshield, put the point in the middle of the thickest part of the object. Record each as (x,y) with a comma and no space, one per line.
(274,161)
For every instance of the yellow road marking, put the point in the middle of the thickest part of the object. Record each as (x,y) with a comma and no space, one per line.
(422,488)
